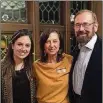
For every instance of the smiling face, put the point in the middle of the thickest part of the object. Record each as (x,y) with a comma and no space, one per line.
(52,44)
(87,27)
(21,47)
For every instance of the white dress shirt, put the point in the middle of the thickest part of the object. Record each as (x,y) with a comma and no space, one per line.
(81,64)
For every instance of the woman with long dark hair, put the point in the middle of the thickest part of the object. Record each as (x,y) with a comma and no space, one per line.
(52,69)
(18,85)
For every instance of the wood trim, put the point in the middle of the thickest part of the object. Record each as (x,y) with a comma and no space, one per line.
(43,26)
(96,7)
(68,24)
(65,20)
(33,19)
(11,27)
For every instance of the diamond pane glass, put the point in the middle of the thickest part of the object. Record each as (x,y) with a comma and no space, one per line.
(13,11)
(5,40)
(75,7)
(49,12)
(78,5)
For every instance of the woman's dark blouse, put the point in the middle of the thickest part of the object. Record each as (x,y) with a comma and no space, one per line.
(21,87)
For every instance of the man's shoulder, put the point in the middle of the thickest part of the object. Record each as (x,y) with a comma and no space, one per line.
(99,41)
(99,38)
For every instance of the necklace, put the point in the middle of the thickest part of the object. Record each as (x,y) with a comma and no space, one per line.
(19,66)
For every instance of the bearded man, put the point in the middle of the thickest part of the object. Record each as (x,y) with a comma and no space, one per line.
(86,73)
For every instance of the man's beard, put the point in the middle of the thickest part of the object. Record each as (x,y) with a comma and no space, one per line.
(83,39)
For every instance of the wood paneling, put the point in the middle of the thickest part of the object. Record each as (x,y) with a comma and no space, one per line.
(33,19)
(65,20)
(11,27)
(60,27)
(96,6)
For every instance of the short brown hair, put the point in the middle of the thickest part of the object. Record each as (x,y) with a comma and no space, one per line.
(89,11)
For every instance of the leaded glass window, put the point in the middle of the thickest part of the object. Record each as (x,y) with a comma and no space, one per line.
(78,5)
(5,40)
(49,12)
(75,6)
(13,11)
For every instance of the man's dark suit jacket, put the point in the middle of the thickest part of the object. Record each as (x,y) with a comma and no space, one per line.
(92,85)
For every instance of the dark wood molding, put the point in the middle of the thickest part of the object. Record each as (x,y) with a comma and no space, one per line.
(96,7)
(66,22)
(60,27)
(33,19)
(11,27)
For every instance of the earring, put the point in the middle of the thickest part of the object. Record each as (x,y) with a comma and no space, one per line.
(44,53)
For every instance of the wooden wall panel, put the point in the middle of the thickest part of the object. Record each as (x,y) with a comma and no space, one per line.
(96,6)
(33,19)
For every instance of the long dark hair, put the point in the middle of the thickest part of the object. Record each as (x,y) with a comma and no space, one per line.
(43,38)
(29,59)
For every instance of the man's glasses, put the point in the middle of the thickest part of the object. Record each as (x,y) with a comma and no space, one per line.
(85,25)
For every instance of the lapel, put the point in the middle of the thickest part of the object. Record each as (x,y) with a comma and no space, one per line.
(93,62)
(8,85)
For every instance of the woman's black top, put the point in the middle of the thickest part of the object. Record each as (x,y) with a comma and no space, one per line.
(21,87)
